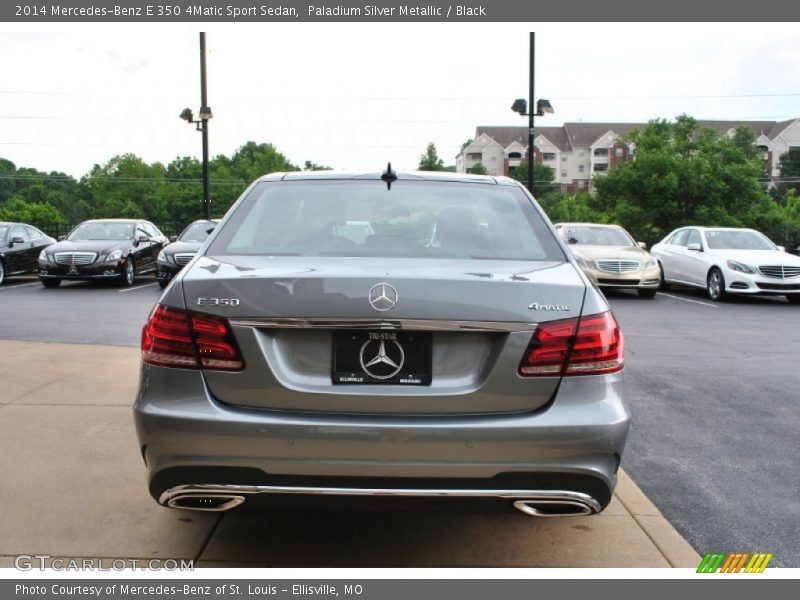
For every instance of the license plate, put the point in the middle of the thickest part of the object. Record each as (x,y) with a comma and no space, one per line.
(375,357)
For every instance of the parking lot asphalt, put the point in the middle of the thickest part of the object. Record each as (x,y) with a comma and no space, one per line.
(714,441)
(716,417)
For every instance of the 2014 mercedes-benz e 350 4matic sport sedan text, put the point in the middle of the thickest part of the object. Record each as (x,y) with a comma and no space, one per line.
(456,350)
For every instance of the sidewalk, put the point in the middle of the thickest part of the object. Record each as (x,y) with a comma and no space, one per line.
(74,486)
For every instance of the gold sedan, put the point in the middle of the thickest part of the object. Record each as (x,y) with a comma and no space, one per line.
(611,257)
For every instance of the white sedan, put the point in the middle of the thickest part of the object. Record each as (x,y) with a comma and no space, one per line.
(725,261)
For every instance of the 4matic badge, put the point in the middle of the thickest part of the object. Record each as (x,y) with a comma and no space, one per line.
(553,307)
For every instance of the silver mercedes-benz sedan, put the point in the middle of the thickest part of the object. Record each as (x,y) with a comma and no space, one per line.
(454,350)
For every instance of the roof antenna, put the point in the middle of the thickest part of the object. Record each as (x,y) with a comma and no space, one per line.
(389,176)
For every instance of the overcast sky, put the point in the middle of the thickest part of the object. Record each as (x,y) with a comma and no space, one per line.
(354,96)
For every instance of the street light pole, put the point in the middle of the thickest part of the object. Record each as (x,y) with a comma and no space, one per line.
(526,108)
(530,113)
(204,122)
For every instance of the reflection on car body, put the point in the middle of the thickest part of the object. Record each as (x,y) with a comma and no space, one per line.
(383,366)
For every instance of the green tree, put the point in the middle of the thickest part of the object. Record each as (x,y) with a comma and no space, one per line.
(253,160)
(429,160)
(478,169)
(789,168)
(312,166)
(466,143)
(543,178)
(573,208)
(35,213)
(126,186)
(684,174)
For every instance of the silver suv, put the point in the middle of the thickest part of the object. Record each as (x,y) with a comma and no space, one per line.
(454,350)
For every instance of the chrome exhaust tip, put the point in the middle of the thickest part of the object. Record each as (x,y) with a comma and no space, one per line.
(205,502)
(553,508)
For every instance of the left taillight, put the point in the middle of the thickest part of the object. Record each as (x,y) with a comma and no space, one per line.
(176,338)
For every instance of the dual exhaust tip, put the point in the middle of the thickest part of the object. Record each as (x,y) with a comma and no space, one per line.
(530,506)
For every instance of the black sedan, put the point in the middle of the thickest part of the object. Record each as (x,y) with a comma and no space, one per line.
(178,254)
(20,244)
(104,249)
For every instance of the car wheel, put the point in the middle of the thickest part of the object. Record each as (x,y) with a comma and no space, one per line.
(128,276)
(50,283)
(715,285)
(2,272)
(162,283)
(793,298)
(645,293)
(664,283)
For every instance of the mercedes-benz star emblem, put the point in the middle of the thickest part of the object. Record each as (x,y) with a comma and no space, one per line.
(387,358)
(382,297)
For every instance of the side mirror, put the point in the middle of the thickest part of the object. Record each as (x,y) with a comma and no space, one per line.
(173,238)
(142,239)
(695,247)
(782,248)
(61,238)
(642,245)
(16,240)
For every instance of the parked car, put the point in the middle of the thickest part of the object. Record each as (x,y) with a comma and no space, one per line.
(726,260)
(611,257)
(103,249)
(20,244)
(179,253)
(287,359)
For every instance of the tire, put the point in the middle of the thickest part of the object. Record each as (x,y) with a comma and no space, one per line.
(715,285)
(793,298)
(162,283)
(2,272)
(664,283)
(646,293)
(128,276)
(50,283)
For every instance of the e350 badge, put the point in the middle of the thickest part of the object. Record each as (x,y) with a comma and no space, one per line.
(217,302)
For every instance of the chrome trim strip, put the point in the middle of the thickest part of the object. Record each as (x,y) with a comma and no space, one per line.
(173,495)
(410,324)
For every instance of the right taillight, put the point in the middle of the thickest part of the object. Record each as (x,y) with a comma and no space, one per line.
(589,345)
(175,338)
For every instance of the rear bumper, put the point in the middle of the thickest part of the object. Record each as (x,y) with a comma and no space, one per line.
(187,438)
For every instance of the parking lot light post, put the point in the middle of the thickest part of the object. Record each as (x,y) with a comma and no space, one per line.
(202,125)
(520,106)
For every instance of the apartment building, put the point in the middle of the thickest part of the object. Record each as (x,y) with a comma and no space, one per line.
(579,152)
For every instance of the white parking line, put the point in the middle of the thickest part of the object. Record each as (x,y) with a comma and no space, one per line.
(11,287)
(138,287)
(688,300)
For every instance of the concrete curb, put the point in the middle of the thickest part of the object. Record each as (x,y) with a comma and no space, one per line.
(677,551)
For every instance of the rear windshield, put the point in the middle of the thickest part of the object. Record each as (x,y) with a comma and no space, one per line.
(362,218)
